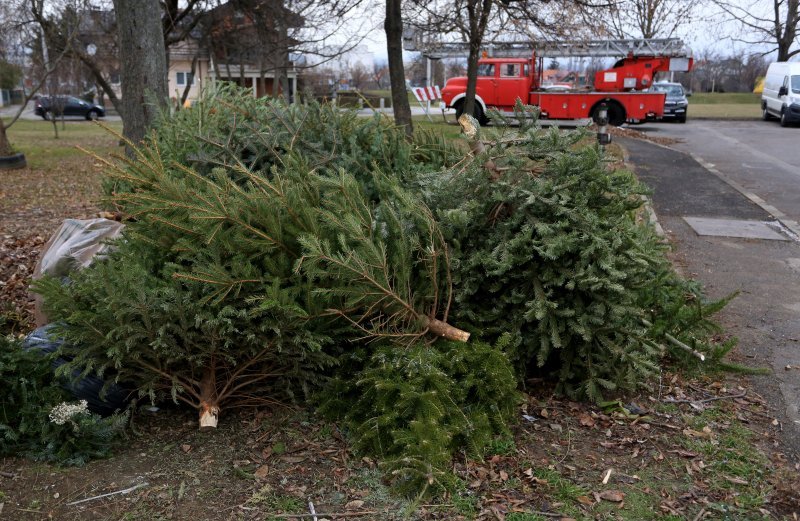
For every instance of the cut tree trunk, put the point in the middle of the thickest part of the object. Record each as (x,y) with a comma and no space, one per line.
(445,330)
(209,401)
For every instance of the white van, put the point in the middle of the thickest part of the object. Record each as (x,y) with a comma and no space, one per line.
(781,96)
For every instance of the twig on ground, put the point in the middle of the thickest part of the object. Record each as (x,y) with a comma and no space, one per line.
(706,400)
(8,474)
(124,491)
(340,514)
(546,514)
(569,446)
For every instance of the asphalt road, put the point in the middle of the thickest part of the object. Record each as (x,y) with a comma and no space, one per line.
(760,157)
(745,182)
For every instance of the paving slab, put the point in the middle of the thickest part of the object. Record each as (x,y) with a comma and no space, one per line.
(735,228)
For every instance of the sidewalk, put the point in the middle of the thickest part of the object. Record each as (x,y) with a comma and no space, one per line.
(765,316)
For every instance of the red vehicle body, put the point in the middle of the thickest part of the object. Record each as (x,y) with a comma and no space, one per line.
(503,81)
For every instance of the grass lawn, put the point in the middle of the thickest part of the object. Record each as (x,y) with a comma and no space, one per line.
(727,105)
(60,180)
(724,98)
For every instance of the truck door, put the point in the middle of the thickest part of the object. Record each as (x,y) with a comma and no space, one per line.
(486,86)
(511,84)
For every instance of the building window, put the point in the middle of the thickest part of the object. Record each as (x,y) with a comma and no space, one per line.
(184,77)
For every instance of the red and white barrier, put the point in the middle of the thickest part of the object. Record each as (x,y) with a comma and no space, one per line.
(427,93)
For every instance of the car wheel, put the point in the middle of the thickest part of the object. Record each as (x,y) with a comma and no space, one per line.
(92,115)
(47,116)
(765,113)
(682,119)
(784,121)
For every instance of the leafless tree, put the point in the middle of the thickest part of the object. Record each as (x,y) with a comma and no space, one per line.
(29,48)
(380,74)
(772,23)
(648,18)
(359,75)
(393,26)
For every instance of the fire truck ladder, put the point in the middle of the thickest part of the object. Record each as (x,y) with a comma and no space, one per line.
(672,47)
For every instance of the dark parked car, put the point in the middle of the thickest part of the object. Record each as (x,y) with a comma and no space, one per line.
(676,105)
(49,106)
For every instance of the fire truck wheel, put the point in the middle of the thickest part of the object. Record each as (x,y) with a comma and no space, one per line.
(477,112)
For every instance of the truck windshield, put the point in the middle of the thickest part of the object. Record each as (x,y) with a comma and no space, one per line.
(485,69)
(671,90)
(796,84)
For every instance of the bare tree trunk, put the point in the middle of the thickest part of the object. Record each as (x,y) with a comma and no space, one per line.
(100,80)
(393,26)
(5,146)
(188,84)
(478,12)
(143,64)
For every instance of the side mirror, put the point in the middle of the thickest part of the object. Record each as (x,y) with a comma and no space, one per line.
(783,91)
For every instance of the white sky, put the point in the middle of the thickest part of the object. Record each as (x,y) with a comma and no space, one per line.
(701,36)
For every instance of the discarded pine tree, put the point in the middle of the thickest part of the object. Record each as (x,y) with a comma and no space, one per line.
(225,285)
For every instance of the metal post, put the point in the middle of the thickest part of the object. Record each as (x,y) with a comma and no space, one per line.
(428,82)
(603,137)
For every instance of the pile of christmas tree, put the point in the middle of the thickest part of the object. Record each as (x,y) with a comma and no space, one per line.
(278,252)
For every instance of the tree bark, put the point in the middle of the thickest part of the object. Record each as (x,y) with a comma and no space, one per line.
(393,26)
(478,12)
(143,64)
(5,146)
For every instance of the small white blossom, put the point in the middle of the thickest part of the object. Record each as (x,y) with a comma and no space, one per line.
(64,412)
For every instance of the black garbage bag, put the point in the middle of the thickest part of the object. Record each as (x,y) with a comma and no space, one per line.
(116,396)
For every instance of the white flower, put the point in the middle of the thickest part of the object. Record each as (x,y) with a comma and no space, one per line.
(64,412)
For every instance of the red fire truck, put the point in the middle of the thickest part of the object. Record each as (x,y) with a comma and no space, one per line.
(622,88)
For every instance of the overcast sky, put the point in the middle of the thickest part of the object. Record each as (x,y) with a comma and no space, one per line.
(701,36)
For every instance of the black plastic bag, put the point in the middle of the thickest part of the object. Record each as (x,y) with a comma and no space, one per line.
(116,397)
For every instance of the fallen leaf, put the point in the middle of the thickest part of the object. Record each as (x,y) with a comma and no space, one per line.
(356,503)
(293,459)
(503,475)
(261,472)
(683,453)
(585,500)
(736,481)
(544,414)
(614,496)
(186,448)
(698,434)
(556,427)
(586,420)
